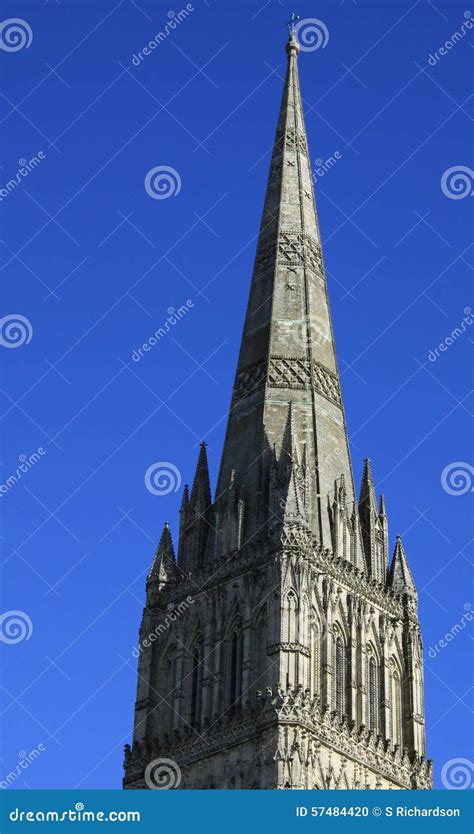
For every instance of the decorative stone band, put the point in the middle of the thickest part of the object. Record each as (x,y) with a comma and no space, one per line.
(288,372)
(289,647)
(293,248)
(279,708)
(292,139)
(255,558)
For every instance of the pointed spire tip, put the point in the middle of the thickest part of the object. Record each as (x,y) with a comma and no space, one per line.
(292,44)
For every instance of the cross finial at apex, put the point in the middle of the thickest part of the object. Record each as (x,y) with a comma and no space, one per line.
(291,23)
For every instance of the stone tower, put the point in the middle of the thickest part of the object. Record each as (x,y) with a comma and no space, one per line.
(279,650)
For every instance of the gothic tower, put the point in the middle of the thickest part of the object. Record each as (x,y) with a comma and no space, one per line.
(279,650)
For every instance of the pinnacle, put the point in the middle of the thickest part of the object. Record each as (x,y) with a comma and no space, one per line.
(164,564)
(400,577)
(201,491)
(367,491)
(185,499)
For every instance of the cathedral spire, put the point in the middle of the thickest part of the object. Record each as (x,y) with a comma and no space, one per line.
(302,663)
(163,569)
(400,577)
(196,518)
(287,351)
(367,499)
(201,491)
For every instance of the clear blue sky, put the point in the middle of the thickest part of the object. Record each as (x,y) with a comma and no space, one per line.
(94,264)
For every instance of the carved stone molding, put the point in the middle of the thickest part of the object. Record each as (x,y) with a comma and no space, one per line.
(295,140)
(289,647)
(249,380)
(288,372)
(326,383)
(295,247)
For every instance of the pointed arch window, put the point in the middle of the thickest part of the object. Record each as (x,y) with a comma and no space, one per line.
(316,662)
(417,690)
(166,687)
(372,694)
(236,652)
(339,672)
(196,680)
(260,651)
(291,635)
(396,709)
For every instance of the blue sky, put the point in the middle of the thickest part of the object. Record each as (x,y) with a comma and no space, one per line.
(94,264)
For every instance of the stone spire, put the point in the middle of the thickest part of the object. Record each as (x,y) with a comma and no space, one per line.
(196,517)
(400,577)
(287,351)
(368,515)
(299,665)
(163,569)
(201,490)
